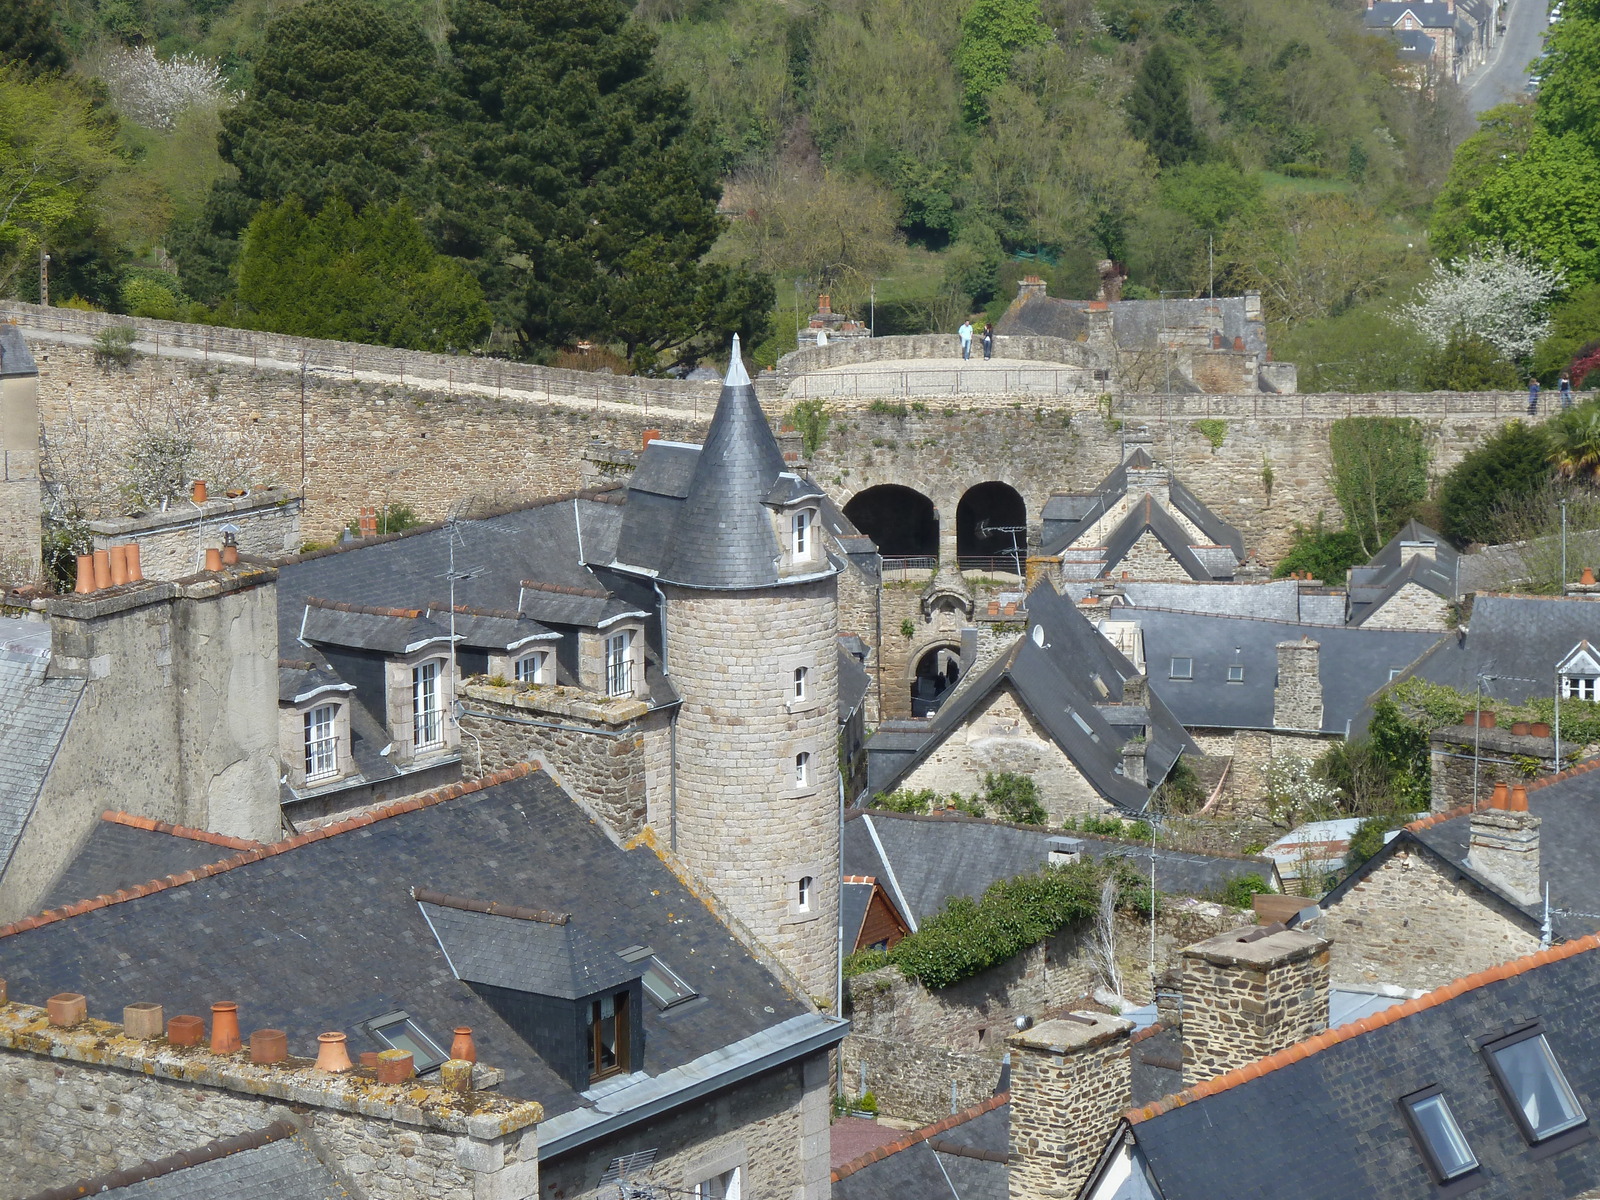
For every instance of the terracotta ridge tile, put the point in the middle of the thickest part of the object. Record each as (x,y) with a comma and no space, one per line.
(183,831)
(1351,1030)
(912,1138)
(859,879)
(1432,819)
(470,611)
(1583,768)
(562,589)
(1149,1031)
(255,851)
(409,614)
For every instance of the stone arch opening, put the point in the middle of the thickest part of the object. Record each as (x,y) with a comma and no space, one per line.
(901,520)
(937,672)
(991,528)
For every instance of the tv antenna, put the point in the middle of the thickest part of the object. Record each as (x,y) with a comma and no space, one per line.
(1017,554)
(454,534)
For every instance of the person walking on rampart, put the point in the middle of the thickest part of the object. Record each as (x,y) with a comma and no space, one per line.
(1566,391)
(988,340)
(1533,397)
(965,334)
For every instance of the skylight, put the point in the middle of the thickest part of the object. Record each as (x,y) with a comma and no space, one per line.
(1235,674)
(1442,1142)
(397,1031)
(661,983)
(1182,668)
(1534,1085)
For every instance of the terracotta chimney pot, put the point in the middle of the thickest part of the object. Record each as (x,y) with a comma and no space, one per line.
(1471,719)
(135,571)
(186,1031)
(1588,577)
(1519,799)
(213,559)
(142,1020)
(825,303)
(230,555)
(269,1046)
(1520,728)
(66,1009)
(1499,798)
(650,435)
(199,492)
(394,1066)
(119,566)
(85,574)
(368,1058)
(332,1056)
(462,1046)
(1487,719)
(224,1027)
(102,569)
(1539,729)
(456,1075)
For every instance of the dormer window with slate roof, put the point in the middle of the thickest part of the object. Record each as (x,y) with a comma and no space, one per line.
(533,668)
(314,736)
(322,743)
(619,663)
(802,534)
(608,1036)
(1580,673)
(427,705)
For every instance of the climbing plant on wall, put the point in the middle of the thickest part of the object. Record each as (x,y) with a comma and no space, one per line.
(1379,474)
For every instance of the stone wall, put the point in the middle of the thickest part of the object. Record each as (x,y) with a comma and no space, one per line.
(1412,607)
(773,1127)
(916,1082)
(1414,922)
(1297,696)
(1248,994)
(19,475)
(850,351)
(81,1102)
(1462,754)
(173,544)
(1071,1081)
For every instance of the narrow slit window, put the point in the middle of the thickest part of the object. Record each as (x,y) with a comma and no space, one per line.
(619,664)
(802,769)
(800,524)
(802,901)
(608,1035)
(802,682)
(1443,1145)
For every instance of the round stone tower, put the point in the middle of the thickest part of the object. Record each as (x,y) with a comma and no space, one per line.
(752,648)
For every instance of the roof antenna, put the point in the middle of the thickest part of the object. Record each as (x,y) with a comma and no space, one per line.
(737,375)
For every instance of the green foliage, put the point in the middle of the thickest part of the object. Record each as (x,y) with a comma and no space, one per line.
(1212,195)
(1158,109)
(1508,467)
(810,417)
(1239,891)
(887,408)
(1574,323)
(991,32)
(1013,797)
(1361,350)
(1212,429)
(392,518)
(903,800)
(114,344)
(968,936)
(28,37)
(1545,202)
(863,961)
(1327,554)
(1468,364)
(371,277)
(1107,826)
(1569,93)
(1575,441)
(1502,135)
(1379,474)
(908,629)
(1368,837)
(1181,792)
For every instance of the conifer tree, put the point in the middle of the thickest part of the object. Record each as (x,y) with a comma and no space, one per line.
(1158,110)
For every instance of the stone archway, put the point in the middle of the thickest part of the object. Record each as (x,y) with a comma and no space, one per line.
(992,528)
(901,520)
(934,674)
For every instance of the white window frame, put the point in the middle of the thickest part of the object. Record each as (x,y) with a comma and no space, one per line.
(427,705)
(802,770)
(321,726)
(724,1185)
(1580,687)
(619,663)
(801,678)
(803,888)
(530,667)
(802,533)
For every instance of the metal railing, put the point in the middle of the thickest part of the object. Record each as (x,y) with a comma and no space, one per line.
(910,383)
(989,564)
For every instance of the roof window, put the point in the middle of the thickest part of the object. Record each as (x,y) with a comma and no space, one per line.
(1440,1138)
(1533,1085)
(661,982)
(1181,668)
(397,1031)
(1236,674)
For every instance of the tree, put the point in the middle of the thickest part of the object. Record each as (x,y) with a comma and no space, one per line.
(991,32)
(1467,363)
(1510,466)
(156,92)
(1502,136)
(1497,296)
(1545,204)
(368,278)
(1325,554)
(28,37)
(1210,194)
(1574,323)
(1575,442)
(1569,94)
(577,185)
(1158,110)
(55,157)
(1379,476)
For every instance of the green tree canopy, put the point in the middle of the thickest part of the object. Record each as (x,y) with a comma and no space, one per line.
(1158,109)
(28,36)
(575,182)
(371,278)
(1569,95)
(1510,466)
(1545,203)
(1379,475)
(991,32)
(1502,136)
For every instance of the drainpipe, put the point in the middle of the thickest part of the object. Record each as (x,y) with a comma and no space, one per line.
(672,727)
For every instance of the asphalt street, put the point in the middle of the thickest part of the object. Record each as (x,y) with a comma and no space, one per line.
(1505,76)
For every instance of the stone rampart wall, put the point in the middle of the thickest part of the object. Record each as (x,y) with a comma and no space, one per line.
(848,352)
(915,1082)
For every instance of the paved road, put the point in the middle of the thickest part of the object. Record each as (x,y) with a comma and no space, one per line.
(1505,76)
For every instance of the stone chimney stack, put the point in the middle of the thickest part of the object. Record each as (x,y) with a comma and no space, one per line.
(1297,700)
(1249,993)
(1071,1081)
(1031,288)
(1504,846)
(1410,550)
(1133,763)
(1136,690)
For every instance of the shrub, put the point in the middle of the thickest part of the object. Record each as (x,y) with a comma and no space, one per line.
(1238,892)
(392,518)
(863,961)
(903,801)
(1213,430)
(142,297)
(1325,553)
(810,417)
(1181,791)
(1368,837)
(1014,797)
(115,345)
(1509,467)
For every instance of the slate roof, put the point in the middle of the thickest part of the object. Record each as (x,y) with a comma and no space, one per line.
(1375,583)
(1321,1121)
(1072,684)
(1389,13)
(1354,664)
(962,1157)
(321,932)
(1066,517)
(1271,600)
(15,357)
(854,680)
(34,715)
(118,855)
(855,897)
(283,1169)
(543,957)
(931,859)
(1515,641)
(391,631)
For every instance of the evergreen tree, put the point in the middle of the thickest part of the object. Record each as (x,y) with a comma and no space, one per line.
(575,182)
(1510,467)
(1158,110)
(28,37)
(371,277)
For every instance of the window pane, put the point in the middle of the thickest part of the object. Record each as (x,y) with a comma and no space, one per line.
(1437,1125)
(1182,668)
(619,664)
(1235,674)
(321,744)
(402,1035)
(427,725)
(663,986)
(1538,1087)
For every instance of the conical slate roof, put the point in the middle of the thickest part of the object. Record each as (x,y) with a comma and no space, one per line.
(724,535)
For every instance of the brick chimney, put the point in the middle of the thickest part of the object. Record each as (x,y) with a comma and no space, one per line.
(1504,846)
(1249,993)
(1297,699)
(1071,1082)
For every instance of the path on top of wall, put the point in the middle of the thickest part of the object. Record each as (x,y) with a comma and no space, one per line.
(911,378)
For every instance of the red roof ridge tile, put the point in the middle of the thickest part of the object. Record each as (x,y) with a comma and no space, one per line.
(410,614)
(906,1141)
(1354,1029)
(255,851)
(859,879)
(183,831)
(1583,768)
(1432,819)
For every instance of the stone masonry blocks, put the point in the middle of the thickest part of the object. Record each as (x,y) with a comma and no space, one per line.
(1071,1080)
(1249,993)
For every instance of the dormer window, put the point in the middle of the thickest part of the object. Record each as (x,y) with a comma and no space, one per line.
(608,1035)
(802,531)
(1580,687)
(619,663)
(427,707)
(322,742)
(531,668)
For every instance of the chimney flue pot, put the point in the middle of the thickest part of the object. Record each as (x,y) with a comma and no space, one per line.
(224,1027)
(102,570)
(213,559)
(332,1055)
(135,570)
(85,574)
(462,1046)
(119,566)
(199,492)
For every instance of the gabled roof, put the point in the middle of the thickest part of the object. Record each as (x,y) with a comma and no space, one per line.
(855,897)
(35,711)
(1148,515)
(962,1157)
(321,932)
(1388,13)
(1321,1120)
(1067,516)
(1372,585)
(387,631)
(1513,641)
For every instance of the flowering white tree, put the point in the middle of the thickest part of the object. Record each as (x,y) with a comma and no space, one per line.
(155,92)
(1295,793)
(1497,295)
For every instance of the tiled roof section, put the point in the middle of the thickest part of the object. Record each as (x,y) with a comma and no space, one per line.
(1345,1033)
(409,614)
(15,357)
(34,714)
(411,804)
(558,589)
(386,630)
(265,1162)
(545,958)
(917,1136)
(182,831)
